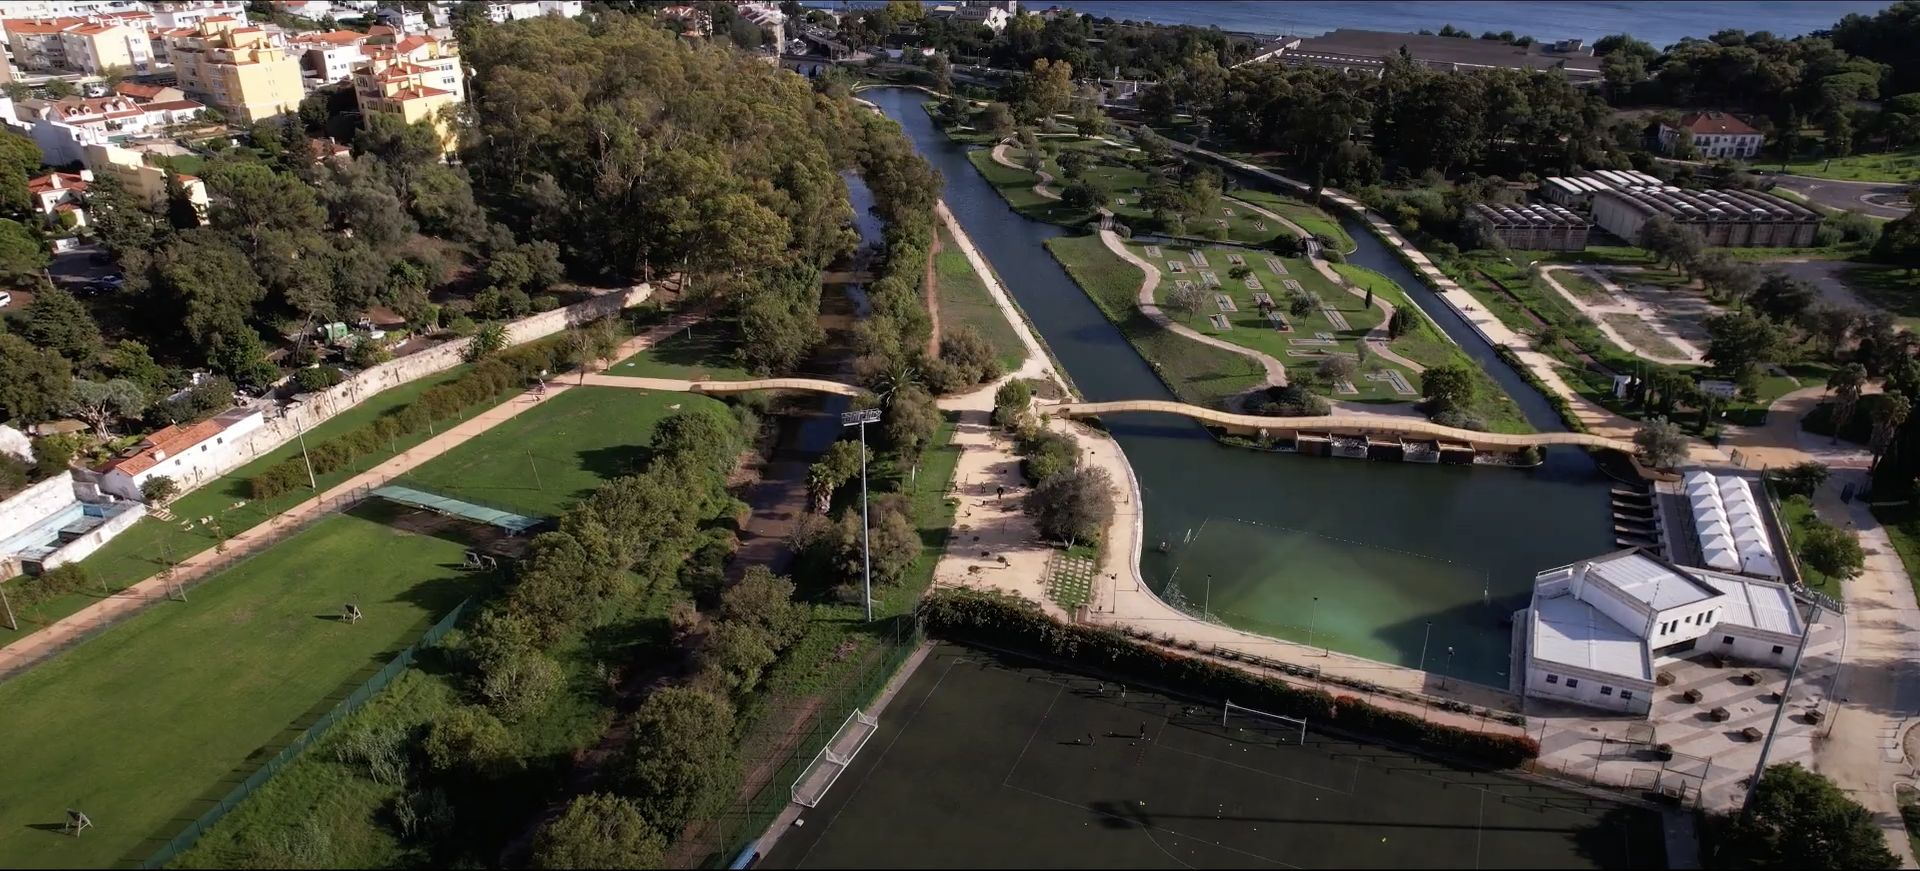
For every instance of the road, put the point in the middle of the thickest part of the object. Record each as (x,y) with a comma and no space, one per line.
(1859,196)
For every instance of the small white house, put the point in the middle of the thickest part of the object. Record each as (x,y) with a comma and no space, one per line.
(190,455)
(1597,629)
(1714,134)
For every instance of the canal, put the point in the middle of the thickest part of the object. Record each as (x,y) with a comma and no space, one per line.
(1394,562)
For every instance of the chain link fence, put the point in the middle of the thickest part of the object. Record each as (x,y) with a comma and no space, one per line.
(354,700)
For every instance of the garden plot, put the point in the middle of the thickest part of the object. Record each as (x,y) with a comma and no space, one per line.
(1661,323)
(1225,302)
(1278,266)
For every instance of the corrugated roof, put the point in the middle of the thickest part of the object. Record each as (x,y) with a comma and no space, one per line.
(1569,631)
(1652,583)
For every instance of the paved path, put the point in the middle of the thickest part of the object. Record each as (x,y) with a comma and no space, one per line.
(1040,187)
(1858,196)
(26,651)
(1780,442)
(1150,278)
(1627,303)
(1377,339)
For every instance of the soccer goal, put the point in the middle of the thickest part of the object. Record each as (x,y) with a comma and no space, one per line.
(819,775)
(1279,727)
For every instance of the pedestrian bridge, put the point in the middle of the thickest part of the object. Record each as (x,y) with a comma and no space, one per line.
(814,385)
(1343,425)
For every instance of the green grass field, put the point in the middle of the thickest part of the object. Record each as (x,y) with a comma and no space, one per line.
(707,351)
(576,440)
(1896,290)
(1250,329)
(1196,373)
(142,726)
(1795,512)
(1312,219)
(964,300)
(1895,166)
(143,549)
(1582,287)
(1429,347)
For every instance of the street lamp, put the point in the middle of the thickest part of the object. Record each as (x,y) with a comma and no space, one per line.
(1443,675)
(860,419)
(1423,645)
(1312,617)
(1206,604)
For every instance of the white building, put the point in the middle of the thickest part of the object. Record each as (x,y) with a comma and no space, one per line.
(177,15)
(403,20)
(190,455)
(1598,629)
(1729,526)
(327,58)
(1715,134)
(991,15)
(57,521)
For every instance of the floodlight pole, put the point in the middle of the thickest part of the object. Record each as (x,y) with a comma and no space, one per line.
(311,483)
(1423,645)
(1313,616)
(861,419)
(1760,767)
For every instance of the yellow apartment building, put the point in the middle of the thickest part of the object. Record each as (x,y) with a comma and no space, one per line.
(96,48)
(414,77)
(238,70)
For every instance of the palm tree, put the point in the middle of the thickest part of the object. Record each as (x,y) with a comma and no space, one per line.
(1845,384)
(1887,417)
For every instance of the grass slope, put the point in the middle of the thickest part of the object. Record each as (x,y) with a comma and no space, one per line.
(964,300)
(709,351)
(577,440)
(140,727)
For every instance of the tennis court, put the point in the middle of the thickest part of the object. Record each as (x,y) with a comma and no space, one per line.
(984,760)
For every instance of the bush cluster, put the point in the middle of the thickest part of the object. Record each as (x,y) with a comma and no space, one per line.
(1019,626)
(484,383)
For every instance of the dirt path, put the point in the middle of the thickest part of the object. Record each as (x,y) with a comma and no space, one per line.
(1628,303)
(1040,187)
(151,590)
(932,300)
(1276,372)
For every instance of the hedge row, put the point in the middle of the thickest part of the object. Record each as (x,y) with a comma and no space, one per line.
(484,384)
(1017,625)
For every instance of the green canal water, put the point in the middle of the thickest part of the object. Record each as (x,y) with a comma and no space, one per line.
(1375,559)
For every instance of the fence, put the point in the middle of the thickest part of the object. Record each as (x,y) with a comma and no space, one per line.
(354,700)
(736,828)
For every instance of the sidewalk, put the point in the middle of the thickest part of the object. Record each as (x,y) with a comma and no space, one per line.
(51,639)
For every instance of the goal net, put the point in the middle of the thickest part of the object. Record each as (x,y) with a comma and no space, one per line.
(1253,725)
(819,775)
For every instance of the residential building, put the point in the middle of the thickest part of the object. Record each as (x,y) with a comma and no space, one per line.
(413,77)
(563,8)
(94,49)
(1597,630)
(109,116)
(693,22)
(993,16)
(1715,135)
(1367,51)
(1733,219)
(1532,227)
(501,13)
(190,454)
(177,15)
(239,70)
(36,43)
(58,193)
(314,9)
(402,19)
(65,8)
(327,58)
(770,20)
(141,178)
(142,93)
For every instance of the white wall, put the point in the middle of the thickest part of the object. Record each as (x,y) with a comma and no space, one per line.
(34,504)
(1589,688)
(1688,621)
(1621,608)
(85,545)
(1750,646)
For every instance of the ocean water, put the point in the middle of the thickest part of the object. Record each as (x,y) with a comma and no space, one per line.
(1661,22)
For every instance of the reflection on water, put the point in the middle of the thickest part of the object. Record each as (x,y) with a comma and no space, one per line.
(1387,548)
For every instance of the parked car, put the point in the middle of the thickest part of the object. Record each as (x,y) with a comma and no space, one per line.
(6,299)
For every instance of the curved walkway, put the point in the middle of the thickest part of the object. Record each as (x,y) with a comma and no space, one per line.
(1375,424)
(1624,302)
(1377,339)
(1276,371)
(1040,187)
(814,385)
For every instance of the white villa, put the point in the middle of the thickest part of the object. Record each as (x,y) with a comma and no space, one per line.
(1597,630)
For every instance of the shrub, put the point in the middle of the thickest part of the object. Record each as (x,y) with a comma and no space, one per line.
(317,378)
(159,488)
(1047,454)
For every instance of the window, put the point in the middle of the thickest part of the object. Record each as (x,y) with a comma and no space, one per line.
(1626,695)
(1572,682)
(1778,649)
(1726,639)
(1606,690)
(1553,678)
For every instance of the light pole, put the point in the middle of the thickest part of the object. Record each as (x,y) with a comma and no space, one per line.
(1443,675)
(861,419)
(1423,645)
(1206,604)
(311,483)
(1312,616)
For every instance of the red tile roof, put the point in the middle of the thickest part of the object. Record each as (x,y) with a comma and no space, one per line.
(165,443)
(1715,124)
(41,25)
(66,181)
(417,93)
(138,91)
(337,37)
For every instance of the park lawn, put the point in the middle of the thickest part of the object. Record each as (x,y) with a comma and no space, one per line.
(1311,218)
(1581,286)
(1429,347)
(142,727)
(1894,166)
(1896,290)
(1197,374)
(708,351)
(144,548)
(542,461)
(964,301)
(1016,186)
(1795,512)
(1251,330)
(1640,334)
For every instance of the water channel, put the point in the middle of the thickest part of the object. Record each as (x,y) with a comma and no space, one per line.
(1400,563)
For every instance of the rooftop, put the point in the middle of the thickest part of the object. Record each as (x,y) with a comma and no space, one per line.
(1711,205)
(1649,581)
(1716,124)
(1569,631)
(1377,45)
(173,440)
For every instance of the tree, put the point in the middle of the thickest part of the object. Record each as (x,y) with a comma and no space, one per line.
(1074,505)
(1186,299)
(588,344)
(1798,819)
(100,403)
(1802,478)
(1447,386)
(20,158)
(1888,415)
(519,685)
(471,739)
(158,489)
(734,656)
(1833,551)
(894,540)
(780,318)
(1336,369)
(22,255)
(1402,322)
(1073,162)
(1739,341)
(911,420)
(59,322)
(34,383)
(764,601)
(1845,384)
(599,830)
(491,337)
(1660,443)
(1673,244)
(1048,89)
(680,748)
(834,469)
(1782,297)
(970,355)
(996,121)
